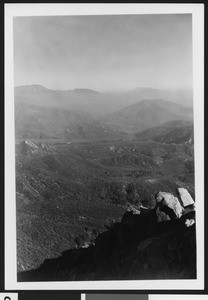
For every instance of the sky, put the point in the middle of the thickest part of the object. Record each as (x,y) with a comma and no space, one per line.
(104,53)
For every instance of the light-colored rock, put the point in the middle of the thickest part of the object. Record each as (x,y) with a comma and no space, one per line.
(133,209)
(185,197)
(142,206)
(189,222)
(31,144)
(164,198)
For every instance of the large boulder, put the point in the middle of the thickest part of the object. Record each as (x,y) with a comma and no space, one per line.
(185,197)
(170,204)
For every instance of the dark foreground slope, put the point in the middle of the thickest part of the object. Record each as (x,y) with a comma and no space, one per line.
(137,248)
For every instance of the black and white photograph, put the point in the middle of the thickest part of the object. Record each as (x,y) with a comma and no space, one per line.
(107,175)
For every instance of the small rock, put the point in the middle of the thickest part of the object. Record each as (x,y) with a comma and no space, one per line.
(133,209)
(189,222)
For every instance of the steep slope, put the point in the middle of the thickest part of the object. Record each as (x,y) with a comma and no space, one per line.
(138,248)
(171,132)
(147,114)
(33,121)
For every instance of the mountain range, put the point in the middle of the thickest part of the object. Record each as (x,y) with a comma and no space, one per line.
(81,158)
(87,114)
(100,103)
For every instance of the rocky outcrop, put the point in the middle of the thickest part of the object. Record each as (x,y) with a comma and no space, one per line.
(168,202)
(170,207)
(139,247)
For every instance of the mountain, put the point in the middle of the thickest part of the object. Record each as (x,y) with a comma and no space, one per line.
(39,95)
(85,91)
(180,96)
(93,102)
(84,100)
(75,176)
(171,132)
(147,114)
(40,122)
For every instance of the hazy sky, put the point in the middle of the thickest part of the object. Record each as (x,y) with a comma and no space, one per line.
(104,52)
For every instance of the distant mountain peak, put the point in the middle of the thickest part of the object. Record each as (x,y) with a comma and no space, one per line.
(32,87)
(145,88)
(37,86)
(84,91)
(153,101)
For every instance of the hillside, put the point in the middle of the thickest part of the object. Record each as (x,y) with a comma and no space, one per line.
(171,132)
(69,193)
(147,114)
(41,122)
(137,248)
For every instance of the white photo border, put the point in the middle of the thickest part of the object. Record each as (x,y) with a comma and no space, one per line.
(19,9)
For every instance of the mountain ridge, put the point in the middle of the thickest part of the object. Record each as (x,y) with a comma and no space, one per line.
(100,103)
(147,114)
(178,131)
